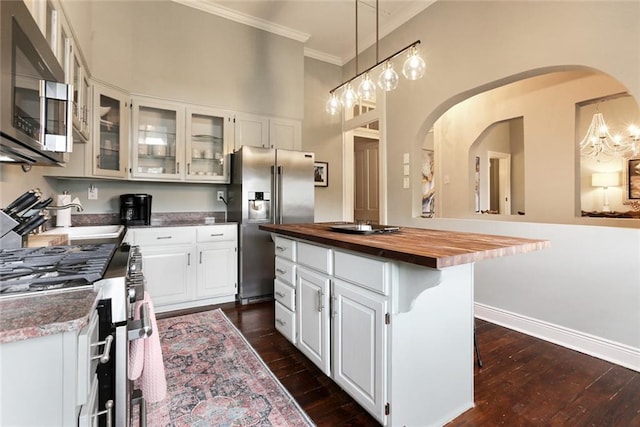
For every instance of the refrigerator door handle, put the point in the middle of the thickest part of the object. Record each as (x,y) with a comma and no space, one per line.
(280,171)
(274,195)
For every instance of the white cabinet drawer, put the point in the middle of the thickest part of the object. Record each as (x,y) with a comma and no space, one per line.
(286,271)
(164,236)
(284,294)
(316,257)
(216,233)
(286,322)
(285,248)
(363,271)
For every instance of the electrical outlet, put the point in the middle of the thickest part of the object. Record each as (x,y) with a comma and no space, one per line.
(220,195)
(92,193)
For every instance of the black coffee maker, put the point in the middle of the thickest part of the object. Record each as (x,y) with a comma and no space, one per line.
(135,209)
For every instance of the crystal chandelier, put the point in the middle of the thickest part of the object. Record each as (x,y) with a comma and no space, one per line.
(598,142)
(413,68)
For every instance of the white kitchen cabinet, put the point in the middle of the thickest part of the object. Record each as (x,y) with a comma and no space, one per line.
(157,149)
(208,144)
(168,272)
(217,261)
(111,110)
(312,312)
(260,131)
(77,75)
(188,266)
(359,345)
(388,324)
(178,142)
(47,380)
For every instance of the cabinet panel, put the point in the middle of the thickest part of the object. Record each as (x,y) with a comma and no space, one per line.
(367,272)
(285,248)
(285,134)
(285,271)
(217,233)
(110,132)
(251,130)
(168,272)
(286,322)
(315,257)
(312,305)
(217,269)
(360,345)
(284,294)
(158,139)
(163,236)
(207,146)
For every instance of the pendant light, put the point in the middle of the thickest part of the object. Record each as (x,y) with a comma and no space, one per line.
(413,68)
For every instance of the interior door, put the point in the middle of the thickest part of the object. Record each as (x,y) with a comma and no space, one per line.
(367,177)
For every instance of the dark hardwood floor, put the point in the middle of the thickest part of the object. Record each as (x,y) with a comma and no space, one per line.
(525,381)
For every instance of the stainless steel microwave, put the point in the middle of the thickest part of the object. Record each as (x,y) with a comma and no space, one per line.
(36,120)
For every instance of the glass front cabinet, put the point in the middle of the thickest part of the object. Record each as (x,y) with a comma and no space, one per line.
(110,134)
(207,153)
(158,141)
(175,142)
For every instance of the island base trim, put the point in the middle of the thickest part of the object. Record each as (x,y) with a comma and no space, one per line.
(620,354)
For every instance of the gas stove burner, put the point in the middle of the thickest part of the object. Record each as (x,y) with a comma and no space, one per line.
(54,267)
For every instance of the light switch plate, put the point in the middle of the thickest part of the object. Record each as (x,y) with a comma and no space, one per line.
(406,170)
(92,194)
(405,157)
(405,182)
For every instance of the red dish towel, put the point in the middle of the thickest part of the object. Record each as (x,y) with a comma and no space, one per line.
(145,359)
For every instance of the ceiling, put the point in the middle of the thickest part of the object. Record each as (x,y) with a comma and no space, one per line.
(326,27)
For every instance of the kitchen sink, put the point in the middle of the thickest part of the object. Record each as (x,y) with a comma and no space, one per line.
(88,232)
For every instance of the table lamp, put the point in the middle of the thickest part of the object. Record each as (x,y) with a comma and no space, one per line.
(605,180)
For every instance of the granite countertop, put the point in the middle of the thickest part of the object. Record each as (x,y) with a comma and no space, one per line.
(429,248)
(47,314)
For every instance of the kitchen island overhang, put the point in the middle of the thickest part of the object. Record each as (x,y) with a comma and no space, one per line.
(424,373)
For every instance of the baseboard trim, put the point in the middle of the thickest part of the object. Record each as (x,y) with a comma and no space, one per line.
(610,351)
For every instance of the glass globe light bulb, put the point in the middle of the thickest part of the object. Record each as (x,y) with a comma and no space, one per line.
(388,79)
(349,97)
(414,67)
(333,105)
(367,89)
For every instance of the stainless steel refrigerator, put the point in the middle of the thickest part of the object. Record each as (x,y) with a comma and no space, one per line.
(267,186)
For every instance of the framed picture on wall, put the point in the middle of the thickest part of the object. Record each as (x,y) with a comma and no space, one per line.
(632,181)
(321,174)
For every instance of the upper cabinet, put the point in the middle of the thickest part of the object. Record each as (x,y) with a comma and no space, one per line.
(174,141)
(208,148)
(260,131)
(158,139)
(111,111)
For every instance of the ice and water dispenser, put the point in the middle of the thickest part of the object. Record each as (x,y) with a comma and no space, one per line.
(259,206)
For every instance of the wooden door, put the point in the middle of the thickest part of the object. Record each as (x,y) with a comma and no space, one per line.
(366,180)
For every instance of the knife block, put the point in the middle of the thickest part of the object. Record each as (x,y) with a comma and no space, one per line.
(9,239)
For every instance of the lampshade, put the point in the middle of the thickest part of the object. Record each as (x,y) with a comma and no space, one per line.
(607,179)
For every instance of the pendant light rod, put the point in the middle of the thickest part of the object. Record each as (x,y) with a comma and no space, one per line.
(377,33)
(356,2)
(388,58)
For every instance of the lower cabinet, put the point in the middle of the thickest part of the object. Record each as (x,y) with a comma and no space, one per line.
(359,345)
(339,325)
(188,266)
(312,302)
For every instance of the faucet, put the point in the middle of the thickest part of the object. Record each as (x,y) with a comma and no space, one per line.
(78,207)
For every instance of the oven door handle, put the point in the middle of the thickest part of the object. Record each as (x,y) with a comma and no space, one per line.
(140,328)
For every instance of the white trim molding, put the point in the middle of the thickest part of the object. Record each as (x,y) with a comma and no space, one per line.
(610,351)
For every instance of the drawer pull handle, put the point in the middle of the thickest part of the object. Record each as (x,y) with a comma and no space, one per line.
(320,300)
(281,322)
(104,357)
(216,234)
(280,294)
(164,237)
(281,271)
(281,249)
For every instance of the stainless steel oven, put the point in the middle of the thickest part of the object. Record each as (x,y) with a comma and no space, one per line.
(35,104)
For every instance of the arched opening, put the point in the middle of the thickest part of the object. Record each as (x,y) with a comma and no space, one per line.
(542,113)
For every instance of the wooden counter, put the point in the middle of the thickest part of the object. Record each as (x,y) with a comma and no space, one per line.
(429,248)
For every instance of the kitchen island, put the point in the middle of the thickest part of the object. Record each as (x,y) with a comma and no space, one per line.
(388,316)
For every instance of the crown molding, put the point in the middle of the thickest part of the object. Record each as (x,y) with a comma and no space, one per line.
(232,15)
(324,57)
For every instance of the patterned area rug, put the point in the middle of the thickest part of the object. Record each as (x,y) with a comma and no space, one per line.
(215,378)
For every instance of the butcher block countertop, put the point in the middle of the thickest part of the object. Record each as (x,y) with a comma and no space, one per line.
(429,248)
